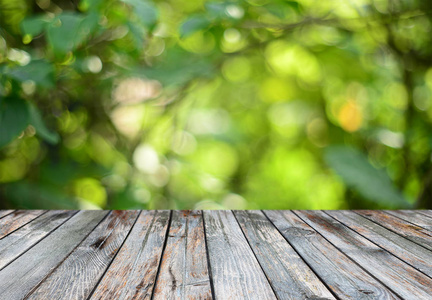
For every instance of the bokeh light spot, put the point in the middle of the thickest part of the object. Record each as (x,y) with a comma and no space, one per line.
(350,116)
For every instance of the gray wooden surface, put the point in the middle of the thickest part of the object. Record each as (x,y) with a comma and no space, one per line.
(215,254)
(184,268)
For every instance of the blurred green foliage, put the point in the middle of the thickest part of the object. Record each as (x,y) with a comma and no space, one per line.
(257,104)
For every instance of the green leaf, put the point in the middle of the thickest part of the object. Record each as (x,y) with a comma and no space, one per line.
(193,24)
(29,195)
(282,10)
(87,26)
(219,10)
(65,33)
(145,10)
(91,5)
(39,71)
(41,129)
(14,118)
(357,172)
(177,68)
(294,5)
(138,34)
(216,10)
(34,25)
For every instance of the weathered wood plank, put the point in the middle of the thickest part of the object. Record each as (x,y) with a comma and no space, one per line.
(183,273)
(345,278)
(5,212)
(290,277)
(413,216)
(400,277)
(76,277)
(22,275)
(21,240)
(132,274)
(415,255)
(409,231)
(235,270)
(427,213)
(15,220)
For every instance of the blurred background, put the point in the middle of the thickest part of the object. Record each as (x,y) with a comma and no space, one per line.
(182,104)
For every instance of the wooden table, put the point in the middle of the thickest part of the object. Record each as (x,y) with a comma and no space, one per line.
(215,254)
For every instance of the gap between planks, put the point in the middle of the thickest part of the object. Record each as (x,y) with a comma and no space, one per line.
(15,240)
(416,256)
(369,256)
(115,255)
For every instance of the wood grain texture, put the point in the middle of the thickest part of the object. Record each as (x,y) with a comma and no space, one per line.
(415,255)
(13,245)
(22,275)
(414,217)
(427,213)
(5,212)
(344,277)
(400,277)
(132,274)
(183,273)
(77,275)
(215,254)
(16,219)
(406,229)
(290,277)
(235,270)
